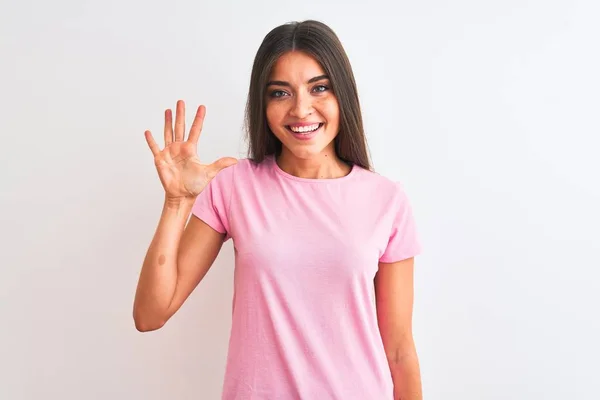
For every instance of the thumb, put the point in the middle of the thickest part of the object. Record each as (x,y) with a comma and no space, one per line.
(221,164)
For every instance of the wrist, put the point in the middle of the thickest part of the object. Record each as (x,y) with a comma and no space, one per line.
(178,203)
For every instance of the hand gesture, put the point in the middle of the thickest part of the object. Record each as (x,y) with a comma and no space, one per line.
(179,168)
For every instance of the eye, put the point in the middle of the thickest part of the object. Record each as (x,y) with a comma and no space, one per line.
(277,94)
(320,88)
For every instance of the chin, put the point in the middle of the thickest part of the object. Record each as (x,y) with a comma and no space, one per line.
(309,150)
(306,153)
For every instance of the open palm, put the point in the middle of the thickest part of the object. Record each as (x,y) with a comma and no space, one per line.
(179,168)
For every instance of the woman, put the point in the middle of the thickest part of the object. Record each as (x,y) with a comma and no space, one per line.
(324,247)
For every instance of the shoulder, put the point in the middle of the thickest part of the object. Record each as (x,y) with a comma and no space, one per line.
(242,172)
(246,168)
(380,184)
(384,192)
(241,167)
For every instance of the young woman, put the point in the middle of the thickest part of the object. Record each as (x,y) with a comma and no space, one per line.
(324,247)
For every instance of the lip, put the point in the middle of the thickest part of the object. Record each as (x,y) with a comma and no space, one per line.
(305,136)
(301,124)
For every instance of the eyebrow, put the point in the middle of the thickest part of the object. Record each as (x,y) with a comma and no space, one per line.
(311,80)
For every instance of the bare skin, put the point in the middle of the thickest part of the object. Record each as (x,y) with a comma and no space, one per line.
(181,252)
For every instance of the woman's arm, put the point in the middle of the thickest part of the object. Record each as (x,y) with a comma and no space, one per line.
(394,296)
(181,252)
(178,257)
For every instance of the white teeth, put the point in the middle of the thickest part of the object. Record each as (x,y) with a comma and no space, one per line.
(304,129)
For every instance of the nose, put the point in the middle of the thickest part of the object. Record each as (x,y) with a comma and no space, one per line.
(302,106)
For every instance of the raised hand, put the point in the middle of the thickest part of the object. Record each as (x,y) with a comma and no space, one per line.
(179,168)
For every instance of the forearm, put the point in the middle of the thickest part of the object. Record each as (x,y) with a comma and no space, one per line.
(158,277)
(406,375)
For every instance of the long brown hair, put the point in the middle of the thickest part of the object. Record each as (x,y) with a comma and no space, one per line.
(319,41)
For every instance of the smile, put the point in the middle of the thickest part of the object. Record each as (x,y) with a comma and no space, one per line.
(306,129)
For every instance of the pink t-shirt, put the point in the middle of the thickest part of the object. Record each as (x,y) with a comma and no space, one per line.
(304,322)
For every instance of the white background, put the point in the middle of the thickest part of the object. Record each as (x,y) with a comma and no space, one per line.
(486,110)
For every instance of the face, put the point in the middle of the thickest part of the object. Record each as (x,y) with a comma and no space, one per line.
(301,109)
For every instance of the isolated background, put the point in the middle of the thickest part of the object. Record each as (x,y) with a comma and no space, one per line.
(486,111)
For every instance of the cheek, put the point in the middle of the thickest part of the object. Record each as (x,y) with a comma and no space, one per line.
(331,111)
(274,113)
(270,114)
(328,107)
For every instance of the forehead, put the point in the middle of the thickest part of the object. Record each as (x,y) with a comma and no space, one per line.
(296,67)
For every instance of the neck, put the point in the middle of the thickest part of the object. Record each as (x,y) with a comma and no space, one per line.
(321,166)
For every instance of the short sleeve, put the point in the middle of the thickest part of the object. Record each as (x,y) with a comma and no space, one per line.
(403,241)
(212,204)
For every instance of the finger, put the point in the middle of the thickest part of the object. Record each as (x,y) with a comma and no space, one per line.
(168,127)
(152,143)
(180,121)
(197,125)
(221,164)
